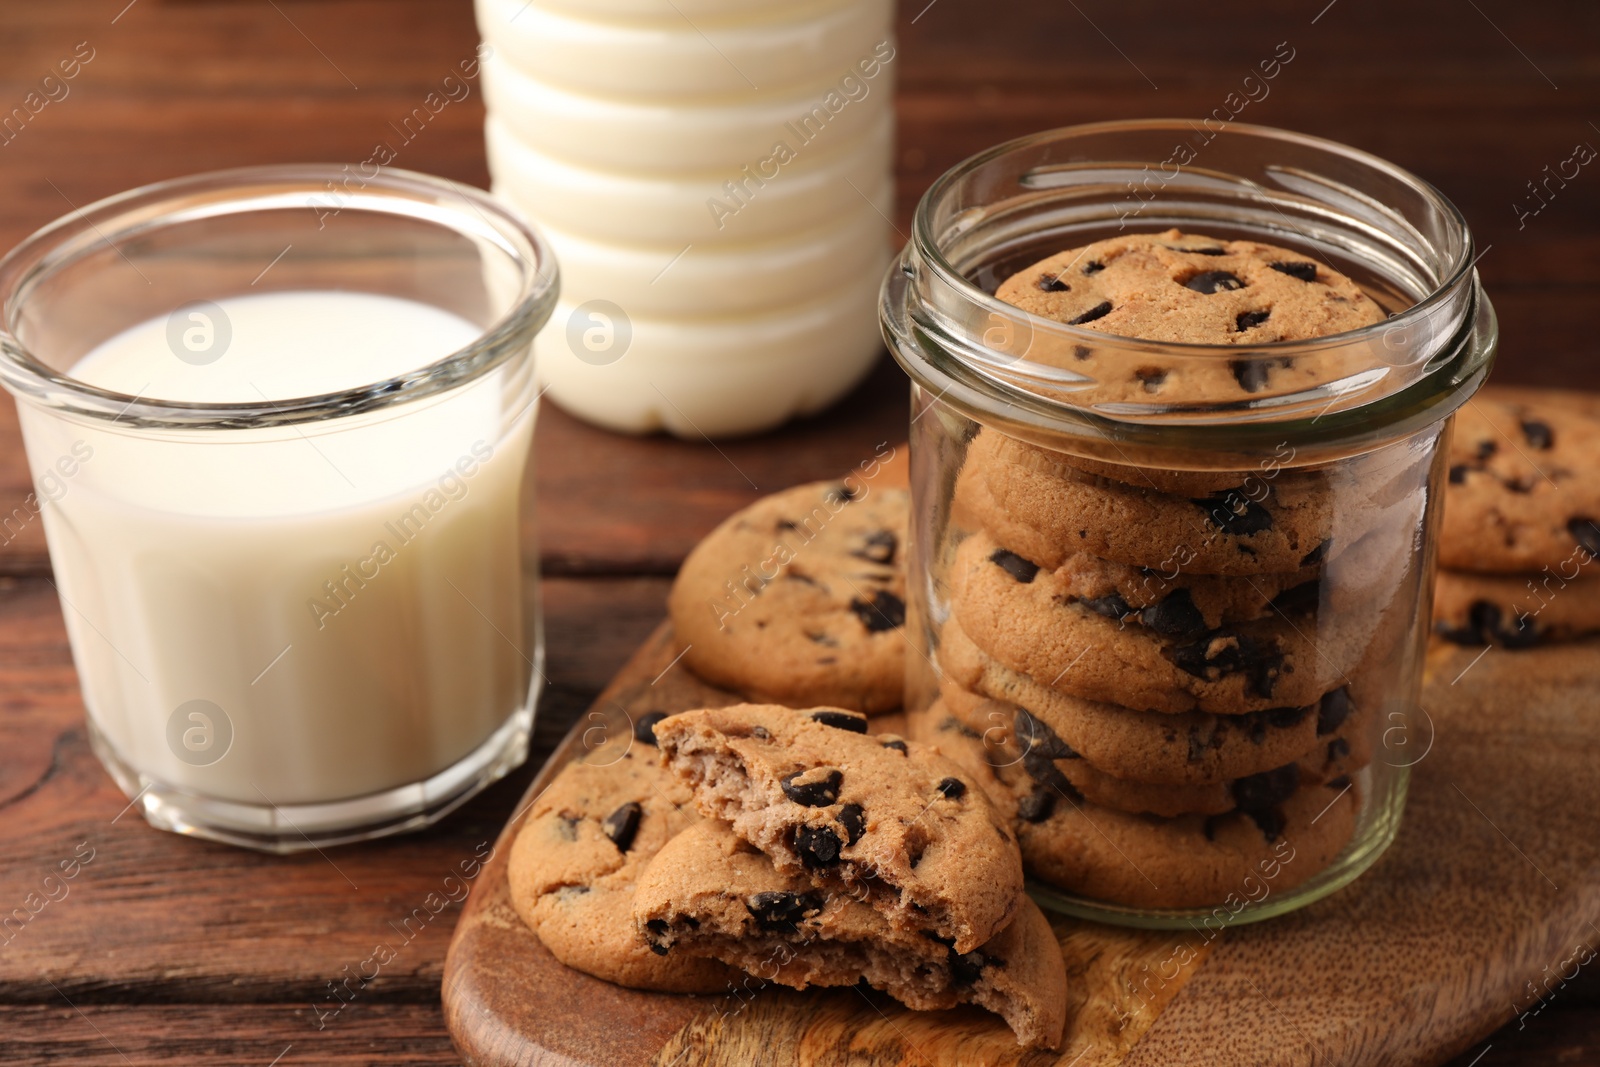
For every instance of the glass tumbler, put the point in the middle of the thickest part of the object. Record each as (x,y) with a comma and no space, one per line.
(278,421)
(1173,598)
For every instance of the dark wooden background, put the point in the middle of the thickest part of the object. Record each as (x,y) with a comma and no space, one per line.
(174,951)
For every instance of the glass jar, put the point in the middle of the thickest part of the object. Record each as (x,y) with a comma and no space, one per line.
(1172,598)
(278,420)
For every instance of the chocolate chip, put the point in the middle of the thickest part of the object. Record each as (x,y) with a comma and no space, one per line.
(1021,569)
(1538,433)
(1250,320)
(1200,251)
(1269,821)
(854,820)
(1034,736)
(1112,605)
(814,792)
(818,846)
(781,912)
(951,788)
(841,720)
(1226,652)
(1037,806)
(761,732)
(1316,555)
(1213,281)
(1306,272)
(1338,749)
(883,613)
(878,547)
(1175,615)
(1340,783)
(1234,513)
(1099,311)
(1044,771)
(1052,283)
(1258,792)
(1092,267)
(1332,711)
(645,728)
(622,825)
(1080,352)
(898,745)
(658,928)
(966,967)
(1587,533)
(1251,374)
(1300,599)
(843,493)
(1150,377)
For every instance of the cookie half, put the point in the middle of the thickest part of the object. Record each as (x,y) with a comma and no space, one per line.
(890,820)
(709,893)
(577,860)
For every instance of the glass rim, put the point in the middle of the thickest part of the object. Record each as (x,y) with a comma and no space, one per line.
(928,245)
(393,191)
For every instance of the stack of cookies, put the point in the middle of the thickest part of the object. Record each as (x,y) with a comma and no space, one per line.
(797,848)
(1173,675)
(1522,521)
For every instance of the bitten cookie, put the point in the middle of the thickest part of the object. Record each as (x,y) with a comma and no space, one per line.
(1522,491)
(709,893)
(1191,289)
(575,864)
(1517,610)
(890,820)
(1176,664)
(1187,748)
(1259,527)
(800,598)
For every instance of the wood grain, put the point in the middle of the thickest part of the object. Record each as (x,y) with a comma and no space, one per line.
(1455,92)
(1494,883)
(509,1001)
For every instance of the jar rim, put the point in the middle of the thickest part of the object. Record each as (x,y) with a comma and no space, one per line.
(238,191)
(1049,184)
(922,227)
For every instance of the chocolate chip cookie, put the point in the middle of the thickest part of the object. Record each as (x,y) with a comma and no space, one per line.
(890,820)
(1263,526)
(578,858)
(1174,663)
(1517,610)
(1275,844)
(1191,289)
(800,598)
(1186,748)
(709,893)
(1041,754)
(1522,492)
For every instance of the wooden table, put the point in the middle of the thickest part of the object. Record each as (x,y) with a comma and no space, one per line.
(174,951)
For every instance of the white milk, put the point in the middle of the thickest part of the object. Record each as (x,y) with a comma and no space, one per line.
(716,179)
(348,594)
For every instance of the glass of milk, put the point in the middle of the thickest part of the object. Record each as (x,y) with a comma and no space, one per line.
(279,420)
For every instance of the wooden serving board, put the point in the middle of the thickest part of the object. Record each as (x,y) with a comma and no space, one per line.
(1494,883)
